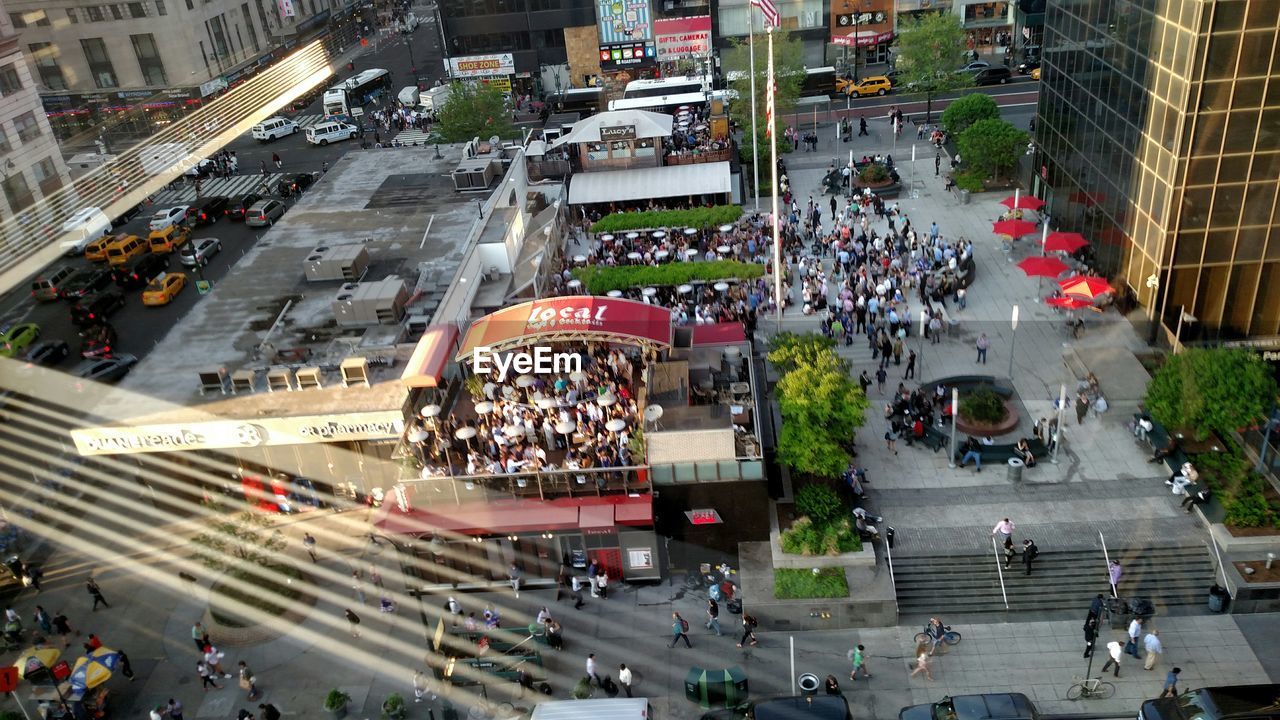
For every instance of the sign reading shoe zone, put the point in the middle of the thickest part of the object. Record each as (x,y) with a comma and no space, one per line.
(470,66)
(222,434)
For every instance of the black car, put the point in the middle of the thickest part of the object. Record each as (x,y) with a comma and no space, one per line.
(236,209)
(994,75)
(294,184)
(206,210)
(48,353)
(106,369)
(988,706)
(95,308)
(141,271)
(126,216)
(86,281)
(1254,702)
(1027,66)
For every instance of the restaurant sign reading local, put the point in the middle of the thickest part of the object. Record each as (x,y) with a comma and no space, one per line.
(222,434)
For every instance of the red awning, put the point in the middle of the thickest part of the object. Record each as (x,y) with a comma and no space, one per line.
(517,516)
(634,513)
(595,516)
(427,364)
(575,317)
(729,333)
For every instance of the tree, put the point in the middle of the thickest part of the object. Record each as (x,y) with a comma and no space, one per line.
(821,409)
(929,51)
(968,110)
(247,538)
(788,349)
(1211,390)
(992,147)
(474,109)
(788,70)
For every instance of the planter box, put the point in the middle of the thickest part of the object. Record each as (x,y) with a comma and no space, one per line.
(864,558)
(871,602)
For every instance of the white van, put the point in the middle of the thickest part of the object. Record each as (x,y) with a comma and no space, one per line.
(330,131)
(83,227)
(434,99)
(408,97)
(273,129)
(603,709)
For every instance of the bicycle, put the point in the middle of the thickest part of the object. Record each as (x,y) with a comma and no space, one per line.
(950,637)
(1094,687)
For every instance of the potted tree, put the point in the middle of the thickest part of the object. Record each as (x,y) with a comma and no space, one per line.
(336,703)
(393,708)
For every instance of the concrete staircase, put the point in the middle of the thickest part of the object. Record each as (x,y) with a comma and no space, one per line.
(1175,578)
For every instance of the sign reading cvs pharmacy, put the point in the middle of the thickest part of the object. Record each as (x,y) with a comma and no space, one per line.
(481,65)
(222,434)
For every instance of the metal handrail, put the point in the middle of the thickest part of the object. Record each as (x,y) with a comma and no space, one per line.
(995,547)
(1107,558)
(893,582)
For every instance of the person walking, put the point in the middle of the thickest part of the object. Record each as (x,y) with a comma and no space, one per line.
(206,677)
(1003,530)
(357,588)
(937,164)
(309,543)
(713,616)
(213,659)
(95,592)
(1114,650)
(248,682)
(983,343)
(275,158)
(1009,552)
(625,678)
(1171,683)
(862,126)
(1082,408)
(419,685)
(126,668)
(157,713)
(1090,635)
(922,662)
(199,635)
(749,625)
(575,592)
(1151,643)
(1029,553)
(593,672)
(514,575)
(63,627)
(354,620)
(680,629)
(1135,632)
(174,708)
(858,656)
(911,365)
(43,621)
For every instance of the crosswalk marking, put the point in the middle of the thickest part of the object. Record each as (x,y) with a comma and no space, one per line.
(231,187)
(412,136)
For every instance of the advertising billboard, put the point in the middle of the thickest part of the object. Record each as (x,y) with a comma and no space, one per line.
(613,57)
(682,37)
(861,22)
(471,66)
(624,21)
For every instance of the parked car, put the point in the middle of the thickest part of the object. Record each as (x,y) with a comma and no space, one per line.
(1027,66)
(974,66)
(264,213)
(175,215)
(106,369)
(206,210)
(95,308)
(294,184)
(86,280)
(126,216)
(81,228)
(236,209)
(1254,702)
(995,75)
(197,253)
(988,706)
(45,287)
(273,129)
(16,338)
(48,353)
(141,271)
(164,289)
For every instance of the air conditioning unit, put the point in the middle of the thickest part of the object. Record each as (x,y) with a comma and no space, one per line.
(475,174)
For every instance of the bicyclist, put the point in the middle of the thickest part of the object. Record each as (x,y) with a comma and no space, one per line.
(935,630)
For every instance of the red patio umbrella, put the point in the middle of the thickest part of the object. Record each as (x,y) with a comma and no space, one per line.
(1023,202)
(1085,286)
(1050,267)
(1070,303)
(1067,242)
(1013,228)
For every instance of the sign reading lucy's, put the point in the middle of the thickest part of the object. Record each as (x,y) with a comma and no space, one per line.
(618,132)
(682,37)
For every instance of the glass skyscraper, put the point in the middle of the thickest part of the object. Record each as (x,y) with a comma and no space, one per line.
(1158,137)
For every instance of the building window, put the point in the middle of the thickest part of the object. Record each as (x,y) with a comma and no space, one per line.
(95,52)
(95,13)
(144,48)
(160,8)
(115,12)
(248,24)
(5,145)
(47,176)
(9,81)
(47,64)
(71,15)
(27,126)
(191,5)
(137,10)
(17,191)
(42,19)
(18,21)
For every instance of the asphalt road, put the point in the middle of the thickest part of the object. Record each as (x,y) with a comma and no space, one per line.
(141,328)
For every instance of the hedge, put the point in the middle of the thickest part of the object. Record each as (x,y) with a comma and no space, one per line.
(790,584)
(653,219)
(600,280)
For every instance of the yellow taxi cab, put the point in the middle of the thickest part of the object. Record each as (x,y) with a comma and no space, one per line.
(164,288)
(167,239)
(1035,74)
(96,251)
(874,85)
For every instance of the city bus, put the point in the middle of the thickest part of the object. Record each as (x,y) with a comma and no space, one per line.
(576,100)
(665,86)
(355,92)
(665,104)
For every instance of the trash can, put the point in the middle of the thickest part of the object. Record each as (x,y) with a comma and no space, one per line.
(1116,613)
(809,684)
(1015,469)
(1218,598)
(964,197)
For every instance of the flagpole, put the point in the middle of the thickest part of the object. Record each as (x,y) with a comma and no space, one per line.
(778,267)
(755,137)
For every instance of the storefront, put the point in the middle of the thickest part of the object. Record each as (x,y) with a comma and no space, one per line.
(494,70)
(988,26)
(127,113)
(863,29)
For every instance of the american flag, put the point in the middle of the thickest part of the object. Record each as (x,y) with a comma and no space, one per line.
(770,12)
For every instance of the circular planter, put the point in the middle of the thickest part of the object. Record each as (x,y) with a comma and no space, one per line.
(295,611)
(981,429)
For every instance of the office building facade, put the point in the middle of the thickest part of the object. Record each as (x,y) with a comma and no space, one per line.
(1158,137)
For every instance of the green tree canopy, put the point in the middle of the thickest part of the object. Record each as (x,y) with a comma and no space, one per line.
(968,110)
(992,147)
(821,409)
(788,349)
(1211,390)
(929,51)
(473,110)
